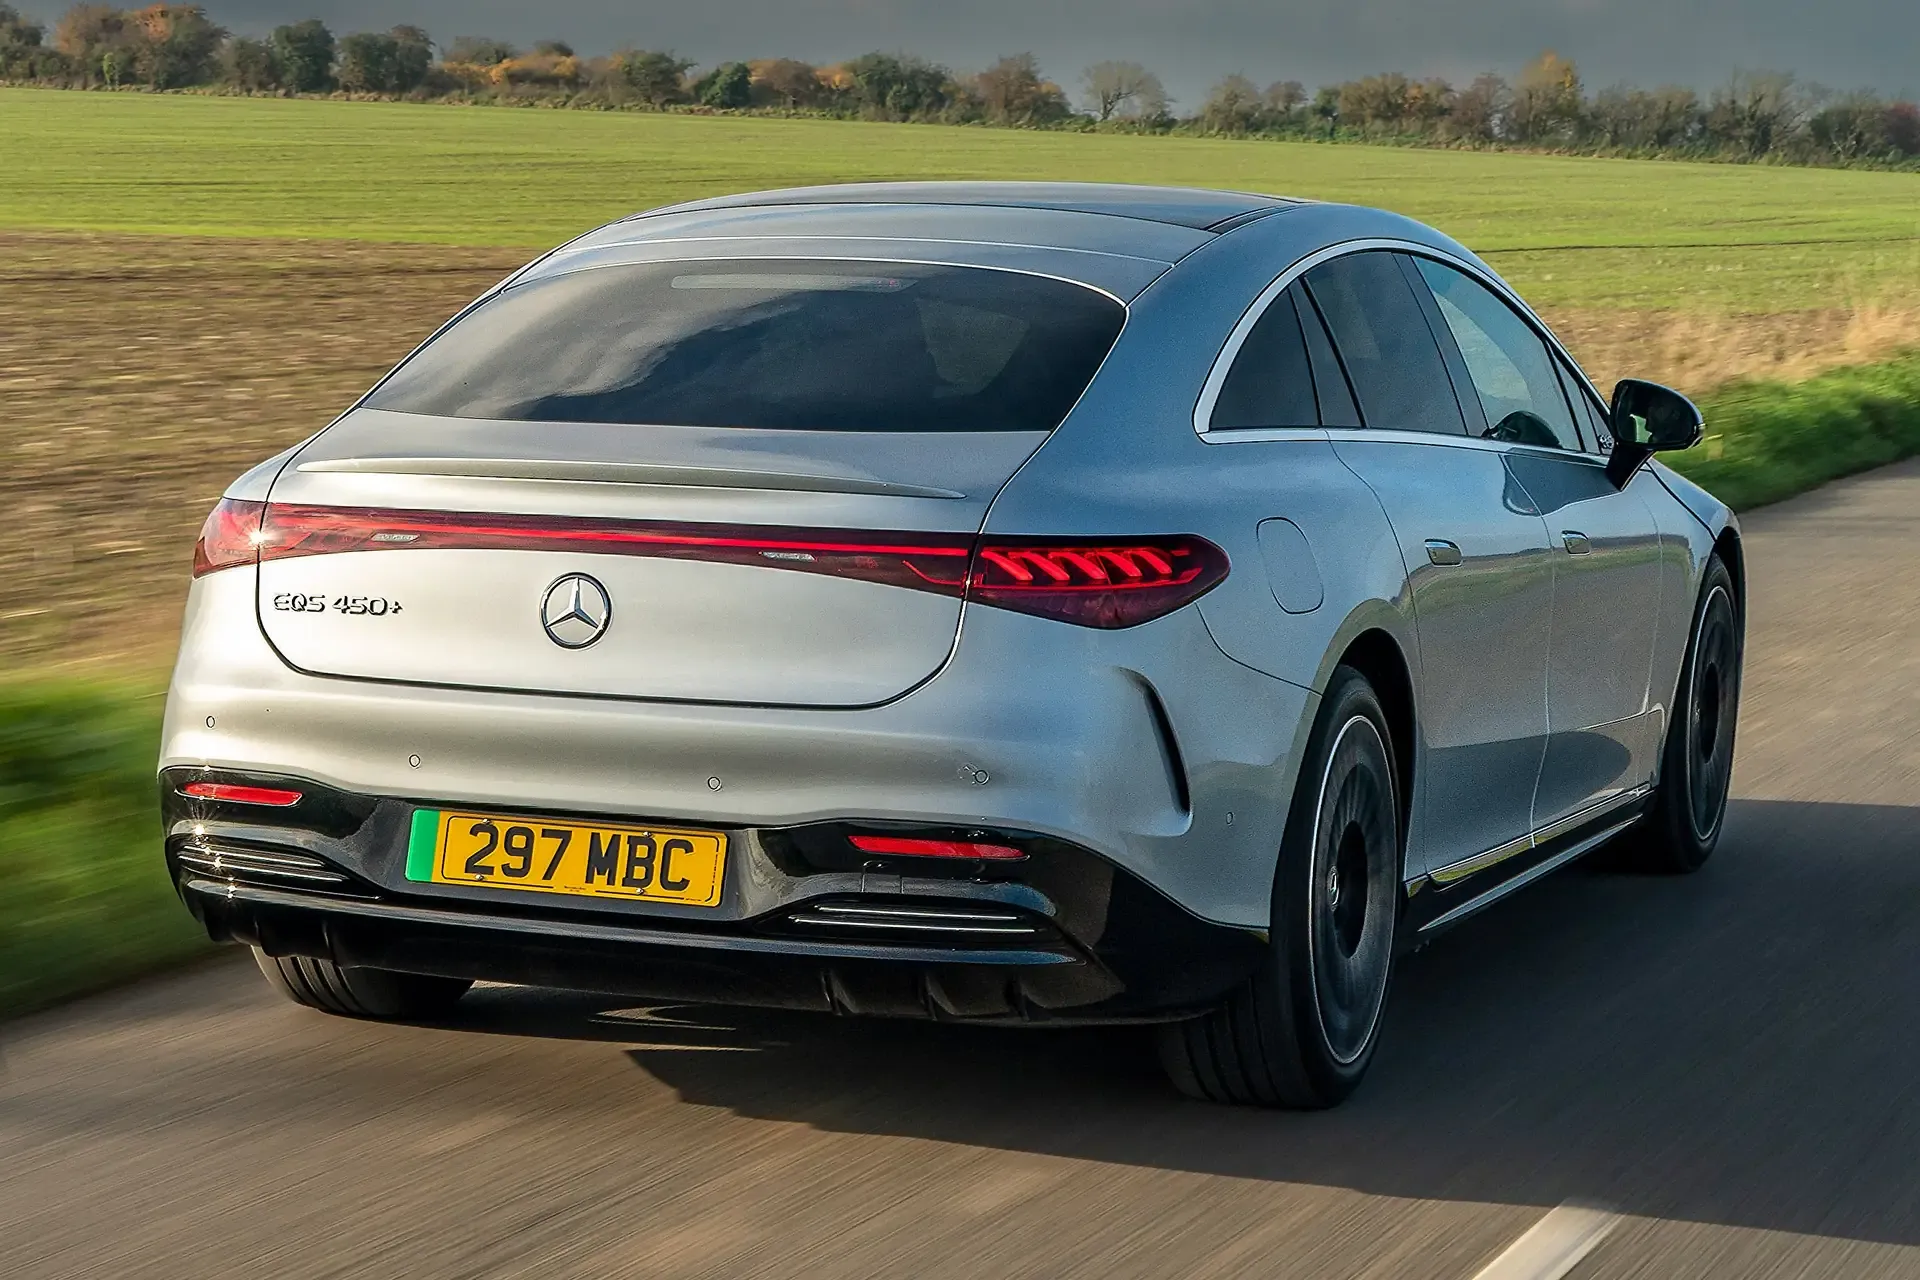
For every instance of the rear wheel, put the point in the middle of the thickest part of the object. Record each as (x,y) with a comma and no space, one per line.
(1302,1030)
(360,993)
(1683,823)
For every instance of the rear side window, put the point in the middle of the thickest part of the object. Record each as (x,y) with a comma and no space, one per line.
(1329,379)
(1389,352)
(780,344)
(1271,381)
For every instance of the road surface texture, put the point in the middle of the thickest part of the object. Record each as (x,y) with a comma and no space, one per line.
(1727,1062)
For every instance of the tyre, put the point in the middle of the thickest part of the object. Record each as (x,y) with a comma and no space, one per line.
(1302,1030)
(1682,825)
(360,993)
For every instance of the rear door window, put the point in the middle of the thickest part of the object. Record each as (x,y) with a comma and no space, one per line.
(1391,358)
(780,344)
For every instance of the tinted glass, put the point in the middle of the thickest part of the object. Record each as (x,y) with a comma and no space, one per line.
(1329,380)
(1270,383)
(1384,342)
(1587,410)
(790,345)
(1511,368)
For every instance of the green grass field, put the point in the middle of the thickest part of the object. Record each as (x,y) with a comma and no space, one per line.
(1571,231)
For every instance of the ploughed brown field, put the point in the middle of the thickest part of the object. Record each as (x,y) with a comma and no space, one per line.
(140,374)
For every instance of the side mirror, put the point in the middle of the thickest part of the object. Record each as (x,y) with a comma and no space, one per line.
(1648,418)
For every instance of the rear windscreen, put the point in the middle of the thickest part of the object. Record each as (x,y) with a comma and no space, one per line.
(781,344)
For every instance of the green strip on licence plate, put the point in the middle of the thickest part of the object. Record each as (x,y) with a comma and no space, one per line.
(421,841)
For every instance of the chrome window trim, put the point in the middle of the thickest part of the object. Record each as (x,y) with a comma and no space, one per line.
(1245,435)
(1223,362)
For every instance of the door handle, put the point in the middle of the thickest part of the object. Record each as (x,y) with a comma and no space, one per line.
(1440,551)
(1575,543)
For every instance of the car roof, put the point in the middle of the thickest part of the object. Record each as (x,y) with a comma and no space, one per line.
(1109,236)
(1196,208)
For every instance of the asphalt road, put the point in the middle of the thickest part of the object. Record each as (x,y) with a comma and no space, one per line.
(1727,1061)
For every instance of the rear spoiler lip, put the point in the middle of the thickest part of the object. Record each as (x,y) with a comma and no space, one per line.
(631,473)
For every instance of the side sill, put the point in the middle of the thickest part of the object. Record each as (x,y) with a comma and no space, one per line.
(1443,898)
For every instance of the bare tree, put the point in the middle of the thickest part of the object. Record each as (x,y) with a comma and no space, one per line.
(1851,126)
(788,81)
(1233,106)
(1284,97)
(1479,112)
(1756,111)
(1675,116)
(1123,89)
(1012,91)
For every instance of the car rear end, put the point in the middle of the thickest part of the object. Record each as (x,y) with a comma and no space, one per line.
(648,631)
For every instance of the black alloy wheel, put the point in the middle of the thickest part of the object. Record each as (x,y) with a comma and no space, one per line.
(1689,808)
(1356,854)
(1713,699)
(1301,1032)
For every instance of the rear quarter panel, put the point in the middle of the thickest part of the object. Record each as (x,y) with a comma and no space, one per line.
(1127,461)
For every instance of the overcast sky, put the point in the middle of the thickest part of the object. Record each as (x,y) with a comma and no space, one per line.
(1192,43)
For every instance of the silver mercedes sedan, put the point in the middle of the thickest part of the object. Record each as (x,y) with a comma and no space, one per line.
(984,602)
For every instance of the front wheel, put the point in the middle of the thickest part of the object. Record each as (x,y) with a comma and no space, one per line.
(1302,1030)
(360,993)
(1682,826)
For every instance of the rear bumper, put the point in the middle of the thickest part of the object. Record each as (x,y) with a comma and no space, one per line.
(1071,938)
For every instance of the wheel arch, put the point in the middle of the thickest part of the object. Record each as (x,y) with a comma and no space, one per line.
(1375,654)
(1728,547)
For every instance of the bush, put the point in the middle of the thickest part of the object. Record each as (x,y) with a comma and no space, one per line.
(175,45)
(658,79)
(728,86)
(1770,440)
(87,901)
(250,65)
(304,53)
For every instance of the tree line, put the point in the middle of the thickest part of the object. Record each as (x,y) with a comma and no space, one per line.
(1754,115)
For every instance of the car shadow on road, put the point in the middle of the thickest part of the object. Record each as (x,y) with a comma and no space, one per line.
(1736,1047)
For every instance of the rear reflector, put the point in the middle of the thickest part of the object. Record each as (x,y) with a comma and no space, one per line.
(933,848)
(232,793)
(1105,583)
(229,538)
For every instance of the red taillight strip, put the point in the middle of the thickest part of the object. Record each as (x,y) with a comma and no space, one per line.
(303,530)
(229,537)
(914,848)
(1107,583)
(934,561)
(233,793)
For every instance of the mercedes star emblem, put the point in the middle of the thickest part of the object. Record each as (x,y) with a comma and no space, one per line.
(576,611)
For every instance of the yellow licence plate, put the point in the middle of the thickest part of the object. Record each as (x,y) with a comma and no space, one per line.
(544,855)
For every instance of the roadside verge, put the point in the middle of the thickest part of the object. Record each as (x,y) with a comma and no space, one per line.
(1770,440)
(86,901)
